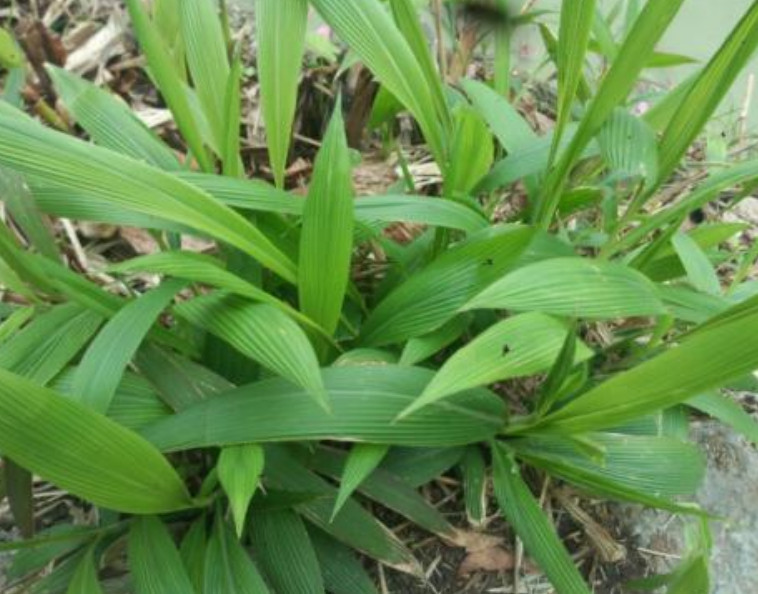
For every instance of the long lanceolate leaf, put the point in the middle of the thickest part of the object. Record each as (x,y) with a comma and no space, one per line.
(326,241)
(228,567)
(279,71)
(368,29)
(101,175)
(708,90)
(530,523)
(363,459)
(105,361)
(154,561)
(632,57)
(83,452)
(705,360)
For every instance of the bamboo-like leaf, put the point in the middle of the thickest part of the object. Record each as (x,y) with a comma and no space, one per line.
(471,151)
(707,91)
(432,296)
(14,322)
(230,152)
(109,121)
(166,75)
(228,567)
(365,401)
(155,563)
(342,572)
(362,461)
(423,347)
(573,39)
(102,366)
(85,578)
(283,550)
(192,552)
(326,240)
(523,513)
(629,146)
(262,333)
(18,488)
(101,175)
(575,287)
(727,411)
(279,72)
(699,269)
(474,473)
(239,472)
(206,56)
(519,346)
(705,360)
(83,452)
(369,31)
(417,466)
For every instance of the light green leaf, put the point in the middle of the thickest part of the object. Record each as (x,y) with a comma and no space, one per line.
(283,550)
(474,473)
(230,151)
(155,564)
(192,552)
(228,567)
(727,411)
(418,349)
(326,240)
(262,333)
(239,472)
(365,401)
(629,146)
(519,346)
(279,72)
(362,461)
(471,152)
(83,452)
(699,269)
(103,364)
(530,523)
(431,297)
(85,578)
(575,287)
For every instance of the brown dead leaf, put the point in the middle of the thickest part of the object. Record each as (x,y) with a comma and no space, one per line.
(491,559)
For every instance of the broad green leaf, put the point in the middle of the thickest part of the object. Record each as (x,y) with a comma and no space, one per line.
(550,390)
(103,364)
(85,578)
(575,287)
(83,452)
(342,572)
(326,239)
(228,567)
(11,55)
(361,462)
(354,526)
(421,210)
(101,175)
(279,72)
(699,269)
(519,346)
(239,472)
(155,564)
(474,472)
(168,79)
(727,411)
(208,63)
(432,296)
(264,334)
(364,401)
(418,466)
(704,360)
(369,31)
(471,151)
(629,146)
(230,151)
(573,38)
(523,513)
(14,322)
(707,91)
(192,552)
(418,349)
(620,79)
(18,489)
(283,550)
(109,121)
(693,578)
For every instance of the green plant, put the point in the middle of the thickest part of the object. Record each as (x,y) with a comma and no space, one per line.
(218,405)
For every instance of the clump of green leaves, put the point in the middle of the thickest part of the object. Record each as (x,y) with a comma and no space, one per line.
(230,448)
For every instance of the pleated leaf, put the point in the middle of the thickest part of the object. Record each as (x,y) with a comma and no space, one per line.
(83,452)
(699,269)
(342,572)
(192,552)
(423,347)
(228,566)
(708,90)
(279,72)
(629,146)
(239,472)
(326,239)
(230,151)
(575,287)
(369,31)
(474,472)
(103,364)
(264,334)
(708,358)
(361,462)
(284,552)
(364,401)
(727,411)
(109,121)
(154,561)
(432,296)
(523,513)
(85,578)
(471,152)
(519,346)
